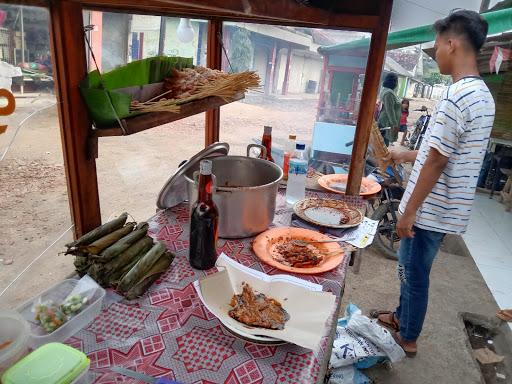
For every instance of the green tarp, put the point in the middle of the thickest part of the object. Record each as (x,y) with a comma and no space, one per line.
(499,21)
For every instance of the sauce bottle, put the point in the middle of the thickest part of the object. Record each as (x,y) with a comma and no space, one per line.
(288,153)
(266,141)
(204,222)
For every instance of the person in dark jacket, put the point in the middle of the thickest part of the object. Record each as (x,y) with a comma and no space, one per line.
(391,110)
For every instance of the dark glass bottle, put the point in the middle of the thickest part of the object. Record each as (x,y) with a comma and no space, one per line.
(266,141)
(204,222)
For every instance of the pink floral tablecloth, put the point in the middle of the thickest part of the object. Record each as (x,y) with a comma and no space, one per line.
(168,332)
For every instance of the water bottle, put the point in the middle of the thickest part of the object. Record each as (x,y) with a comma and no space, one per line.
(298,169)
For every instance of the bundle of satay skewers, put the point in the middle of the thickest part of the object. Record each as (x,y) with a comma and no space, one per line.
(190,84)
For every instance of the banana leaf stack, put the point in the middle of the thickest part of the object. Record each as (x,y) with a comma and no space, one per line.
(121,255)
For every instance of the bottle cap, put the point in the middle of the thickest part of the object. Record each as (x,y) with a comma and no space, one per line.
(267,130)
(205,167)
(300,147)
(292,137)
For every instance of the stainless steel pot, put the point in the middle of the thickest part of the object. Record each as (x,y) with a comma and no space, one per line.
(245,193)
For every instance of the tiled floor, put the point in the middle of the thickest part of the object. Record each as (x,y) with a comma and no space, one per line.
(489,240)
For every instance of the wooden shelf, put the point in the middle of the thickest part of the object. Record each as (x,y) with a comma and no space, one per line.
(154,119)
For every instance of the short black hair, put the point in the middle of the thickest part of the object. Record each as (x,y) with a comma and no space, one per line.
(468,24)
(390,81)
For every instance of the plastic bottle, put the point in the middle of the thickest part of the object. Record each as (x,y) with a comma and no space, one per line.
(298,169)
(288,153)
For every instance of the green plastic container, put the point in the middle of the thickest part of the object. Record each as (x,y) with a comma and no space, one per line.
(52,363)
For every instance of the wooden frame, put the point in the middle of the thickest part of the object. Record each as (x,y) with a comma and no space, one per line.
(70,67)
(368,99)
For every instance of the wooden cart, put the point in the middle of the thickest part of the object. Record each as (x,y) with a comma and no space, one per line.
(80,142)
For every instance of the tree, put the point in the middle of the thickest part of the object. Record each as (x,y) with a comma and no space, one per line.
(434,77)
(241,50)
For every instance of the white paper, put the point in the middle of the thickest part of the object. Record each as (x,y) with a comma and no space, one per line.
(225,260)
(310,308)
(362,235)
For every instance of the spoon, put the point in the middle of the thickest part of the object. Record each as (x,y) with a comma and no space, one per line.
(303,243)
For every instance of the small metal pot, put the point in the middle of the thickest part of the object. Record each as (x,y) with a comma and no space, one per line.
(245,193)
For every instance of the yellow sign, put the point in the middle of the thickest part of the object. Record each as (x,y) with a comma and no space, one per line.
(9,108)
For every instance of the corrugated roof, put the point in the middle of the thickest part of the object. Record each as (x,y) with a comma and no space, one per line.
(393,66)
(499,21)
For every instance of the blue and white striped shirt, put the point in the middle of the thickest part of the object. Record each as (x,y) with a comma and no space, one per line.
(459,129)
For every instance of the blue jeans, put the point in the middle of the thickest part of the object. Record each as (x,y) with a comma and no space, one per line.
(415,257)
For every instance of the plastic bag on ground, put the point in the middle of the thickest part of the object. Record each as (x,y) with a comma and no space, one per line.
(377,334)
(361,343)
(348,375)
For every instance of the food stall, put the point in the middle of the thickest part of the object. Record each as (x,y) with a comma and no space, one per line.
(173,326)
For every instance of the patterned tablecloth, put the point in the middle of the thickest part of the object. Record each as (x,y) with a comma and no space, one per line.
(168,332)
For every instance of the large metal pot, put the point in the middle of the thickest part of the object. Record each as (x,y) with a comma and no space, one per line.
(245,193)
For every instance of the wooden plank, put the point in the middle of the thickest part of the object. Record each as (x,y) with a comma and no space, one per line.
(214,61)
(368,99)
(70,66)
(360,15)
(154,119)
(34,3)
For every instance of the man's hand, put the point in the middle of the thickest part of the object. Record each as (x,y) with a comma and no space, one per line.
(399,157)
(404,225)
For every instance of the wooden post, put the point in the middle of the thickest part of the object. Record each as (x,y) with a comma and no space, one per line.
(321,89)
(286,81)
(161,37)
(70,66)
(272,69)
(352,102)
(368,98)
(214,61)
(96,37)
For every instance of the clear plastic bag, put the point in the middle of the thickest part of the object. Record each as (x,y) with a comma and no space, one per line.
(48,315)
(51,315)
(79,296)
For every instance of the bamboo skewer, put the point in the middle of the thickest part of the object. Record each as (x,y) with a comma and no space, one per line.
(380,152)
(225,87)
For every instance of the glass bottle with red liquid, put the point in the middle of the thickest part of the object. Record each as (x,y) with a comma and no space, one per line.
(266,141)
(204,222)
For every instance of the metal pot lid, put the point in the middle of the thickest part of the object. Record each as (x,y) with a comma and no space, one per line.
(174,190)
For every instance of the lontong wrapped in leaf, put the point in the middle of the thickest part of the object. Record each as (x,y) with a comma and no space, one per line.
(115,268)
(142,267)
(154,273)
(99,232)
(106,241)
(123,244)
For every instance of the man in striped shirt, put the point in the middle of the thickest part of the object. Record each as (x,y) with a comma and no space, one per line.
(441,188)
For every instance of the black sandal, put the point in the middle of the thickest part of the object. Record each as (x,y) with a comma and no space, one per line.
(394,325)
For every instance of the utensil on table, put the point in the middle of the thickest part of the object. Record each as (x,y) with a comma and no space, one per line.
(330,213)
(264,247)
(143,377)
(337,183)
(303,243)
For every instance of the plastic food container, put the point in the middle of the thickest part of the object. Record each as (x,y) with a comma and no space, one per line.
(14,338)
(53,363)
(57,293)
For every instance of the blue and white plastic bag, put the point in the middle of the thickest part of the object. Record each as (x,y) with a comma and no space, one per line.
(360,343)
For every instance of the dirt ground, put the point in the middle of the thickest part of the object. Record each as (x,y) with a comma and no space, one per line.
(131,171)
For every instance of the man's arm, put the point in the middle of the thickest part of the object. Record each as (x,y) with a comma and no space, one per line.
(400,157)
(428,177)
